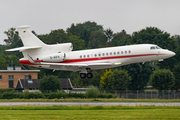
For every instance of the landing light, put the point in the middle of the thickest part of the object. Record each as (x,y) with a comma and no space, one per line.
(118,63)
(160,60)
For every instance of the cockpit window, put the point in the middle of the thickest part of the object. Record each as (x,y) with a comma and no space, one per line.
(152,48)
(157,47)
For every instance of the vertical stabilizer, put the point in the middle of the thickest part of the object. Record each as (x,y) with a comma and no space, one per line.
(28,38)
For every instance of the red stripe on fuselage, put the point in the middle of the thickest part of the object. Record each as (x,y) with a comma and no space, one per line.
(27,62)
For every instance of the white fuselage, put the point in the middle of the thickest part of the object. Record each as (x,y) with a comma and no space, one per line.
(118,56)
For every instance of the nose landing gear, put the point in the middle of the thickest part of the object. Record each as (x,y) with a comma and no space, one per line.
(152,65)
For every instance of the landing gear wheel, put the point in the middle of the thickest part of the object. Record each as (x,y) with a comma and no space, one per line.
(89,75)
(153,68)
(83,75)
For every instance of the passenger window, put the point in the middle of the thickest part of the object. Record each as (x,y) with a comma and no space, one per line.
(80,56)
(121,52)
(125,52)
(99,54)
(129,51)
(110,53)
(84,56)
(114,53)
(118,52)
(107,54)
(103,54)
(95,55)
(88,56)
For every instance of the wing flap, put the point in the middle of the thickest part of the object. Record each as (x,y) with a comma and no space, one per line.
(76,64)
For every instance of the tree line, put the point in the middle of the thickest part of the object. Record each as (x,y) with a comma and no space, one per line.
(90,35)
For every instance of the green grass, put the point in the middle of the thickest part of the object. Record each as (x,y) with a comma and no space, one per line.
(88,100)
(88,113)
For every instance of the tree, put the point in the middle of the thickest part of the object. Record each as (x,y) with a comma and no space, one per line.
(92,92)
(176,72)
(140,74)
(13,41)
(78,44)
(56,36)
(6,61)
(97,39)
(13,38)
(109,34)
(119,80)
(121,38)
(50,83)
(162,79)
(105,82)
(83,30)
(3,62)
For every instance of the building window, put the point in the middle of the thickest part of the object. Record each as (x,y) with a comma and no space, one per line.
(27,76)
(11,77)
(0,77)
(30,81)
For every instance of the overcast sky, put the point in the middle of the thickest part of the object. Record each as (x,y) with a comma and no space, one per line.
(131,15)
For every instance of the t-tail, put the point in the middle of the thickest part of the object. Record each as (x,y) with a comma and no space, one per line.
(35,48)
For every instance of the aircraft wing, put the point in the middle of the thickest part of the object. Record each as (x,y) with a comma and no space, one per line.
(76,64)
(69,64)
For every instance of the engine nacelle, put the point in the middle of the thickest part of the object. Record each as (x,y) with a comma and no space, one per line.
(58,57)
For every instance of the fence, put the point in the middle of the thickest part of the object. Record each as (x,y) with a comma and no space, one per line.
(146,94)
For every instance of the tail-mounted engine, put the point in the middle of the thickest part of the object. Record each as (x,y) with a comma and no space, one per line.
(58,57)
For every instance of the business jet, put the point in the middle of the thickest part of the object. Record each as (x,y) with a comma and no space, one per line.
(61,57)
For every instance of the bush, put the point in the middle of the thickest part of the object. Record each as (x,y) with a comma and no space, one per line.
(50,83)
(8,95)
(35,95)
(76,95)
(6,90)
(58,95)
(26,94)
(92,92)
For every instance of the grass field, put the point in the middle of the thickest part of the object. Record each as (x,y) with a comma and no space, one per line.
(88,113)
(87,100)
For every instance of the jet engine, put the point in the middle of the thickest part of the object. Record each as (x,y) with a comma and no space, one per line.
(58,57)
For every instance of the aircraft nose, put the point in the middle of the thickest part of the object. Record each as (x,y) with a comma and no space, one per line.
(170,53)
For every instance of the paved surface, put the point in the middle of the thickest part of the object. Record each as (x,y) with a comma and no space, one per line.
(90,103)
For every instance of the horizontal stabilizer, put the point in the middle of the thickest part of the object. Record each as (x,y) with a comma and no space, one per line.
(24,48)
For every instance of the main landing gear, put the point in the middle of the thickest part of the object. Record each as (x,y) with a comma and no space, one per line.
(84,73)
